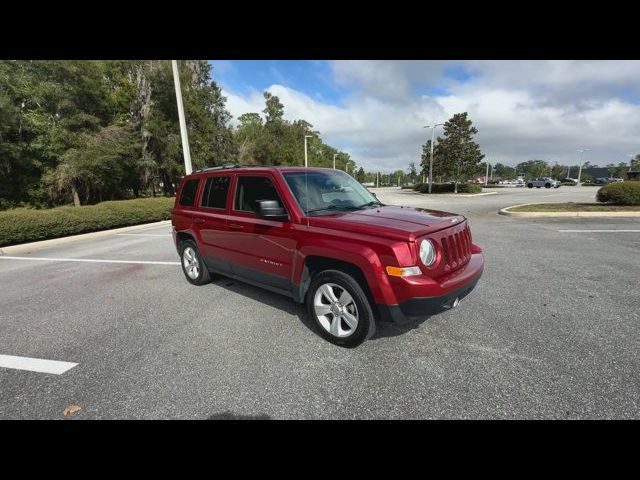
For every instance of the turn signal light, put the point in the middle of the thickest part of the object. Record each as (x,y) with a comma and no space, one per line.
(403,271)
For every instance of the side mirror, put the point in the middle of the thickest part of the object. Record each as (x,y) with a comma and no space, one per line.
(271,209)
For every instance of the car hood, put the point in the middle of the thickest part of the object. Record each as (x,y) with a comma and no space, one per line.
(400,223)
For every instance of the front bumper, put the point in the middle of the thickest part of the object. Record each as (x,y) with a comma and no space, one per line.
(420,307)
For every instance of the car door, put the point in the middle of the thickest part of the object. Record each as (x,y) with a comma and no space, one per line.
(260,250)
(211,219)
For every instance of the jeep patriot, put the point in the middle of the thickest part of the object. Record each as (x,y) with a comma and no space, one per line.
(320,237)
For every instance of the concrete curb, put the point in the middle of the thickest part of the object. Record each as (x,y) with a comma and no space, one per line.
(505,211)
(29,247)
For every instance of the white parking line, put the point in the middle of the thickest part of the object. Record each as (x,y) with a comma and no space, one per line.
(35,364)
(88,260)
(599,231)
(144,234)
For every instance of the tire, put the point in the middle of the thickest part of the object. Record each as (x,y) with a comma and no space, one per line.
(355,305)
(538,186)
(530,185)
(547,185)
(195,271)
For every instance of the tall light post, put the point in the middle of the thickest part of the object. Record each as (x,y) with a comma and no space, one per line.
(433,139)
(306,162)
(334,160)
(183,125)
(580,169)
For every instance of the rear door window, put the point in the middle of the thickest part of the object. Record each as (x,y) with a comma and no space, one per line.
(188,195)
(215,192)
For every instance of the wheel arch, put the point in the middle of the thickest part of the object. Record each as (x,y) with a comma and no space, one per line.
(314,264)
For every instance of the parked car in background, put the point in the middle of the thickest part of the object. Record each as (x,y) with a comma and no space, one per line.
(568,180)
(546,182)
(607,180)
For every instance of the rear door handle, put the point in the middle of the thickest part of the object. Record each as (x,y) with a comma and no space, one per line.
(235,226)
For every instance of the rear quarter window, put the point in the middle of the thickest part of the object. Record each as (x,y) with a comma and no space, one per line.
(188,194)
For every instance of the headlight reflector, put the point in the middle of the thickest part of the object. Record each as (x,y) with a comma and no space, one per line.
(427,252)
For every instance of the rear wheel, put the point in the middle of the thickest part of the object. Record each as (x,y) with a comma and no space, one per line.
(530,185)
(547,185)
(193,266)
(340,309)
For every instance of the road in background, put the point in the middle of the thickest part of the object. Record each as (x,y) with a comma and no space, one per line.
(551,331)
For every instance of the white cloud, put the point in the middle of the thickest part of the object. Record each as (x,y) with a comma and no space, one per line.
(523,110)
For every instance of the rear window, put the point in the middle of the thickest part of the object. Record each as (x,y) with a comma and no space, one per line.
(215,192)
(188,196)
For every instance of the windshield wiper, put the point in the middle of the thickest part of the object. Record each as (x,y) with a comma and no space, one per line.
(334,207)
(371,204)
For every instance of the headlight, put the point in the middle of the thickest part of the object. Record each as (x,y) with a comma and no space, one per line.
(427,252)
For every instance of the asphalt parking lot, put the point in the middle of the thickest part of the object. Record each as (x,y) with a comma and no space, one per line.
(551,331)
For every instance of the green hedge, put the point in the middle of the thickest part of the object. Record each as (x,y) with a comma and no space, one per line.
(22,225)
(620,193)
(449,188)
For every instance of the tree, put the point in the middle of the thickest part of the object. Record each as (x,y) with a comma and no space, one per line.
(533,168)
(412,172)
(458,154)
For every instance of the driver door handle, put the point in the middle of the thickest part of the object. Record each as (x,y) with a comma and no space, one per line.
(235,226)
(198,220)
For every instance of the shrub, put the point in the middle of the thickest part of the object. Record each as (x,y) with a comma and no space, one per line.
(449,188)
(22,225)
(620,193)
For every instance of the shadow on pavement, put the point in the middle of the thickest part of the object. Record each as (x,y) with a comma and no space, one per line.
(287,305)
(232,416)
(387,329)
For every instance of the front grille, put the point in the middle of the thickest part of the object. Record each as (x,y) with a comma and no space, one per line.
(456,248)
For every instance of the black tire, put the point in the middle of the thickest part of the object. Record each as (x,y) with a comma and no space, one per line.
(538,186)
(203,273)
(530,185)
(547,185)
(366,327)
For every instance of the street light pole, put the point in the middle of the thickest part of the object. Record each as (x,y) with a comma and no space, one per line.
(580,169)
(334,160)
(183,125)
(306,163)
(433,139)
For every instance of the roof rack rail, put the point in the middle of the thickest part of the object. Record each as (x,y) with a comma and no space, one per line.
(227,166)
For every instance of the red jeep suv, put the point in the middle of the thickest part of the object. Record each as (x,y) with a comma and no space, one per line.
(321,238)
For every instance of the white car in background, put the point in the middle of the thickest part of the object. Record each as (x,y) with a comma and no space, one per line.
(545,182)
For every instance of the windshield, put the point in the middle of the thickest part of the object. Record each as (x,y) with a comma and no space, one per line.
(328,191)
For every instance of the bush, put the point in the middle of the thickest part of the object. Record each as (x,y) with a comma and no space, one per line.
(449,188)
(620,193)
(589,184)
(568,184)
(22,225)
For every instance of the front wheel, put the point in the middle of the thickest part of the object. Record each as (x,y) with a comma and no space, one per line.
(340,309)
(547,185)
(530,185)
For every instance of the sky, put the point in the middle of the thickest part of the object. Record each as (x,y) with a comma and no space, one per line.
(376,110)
